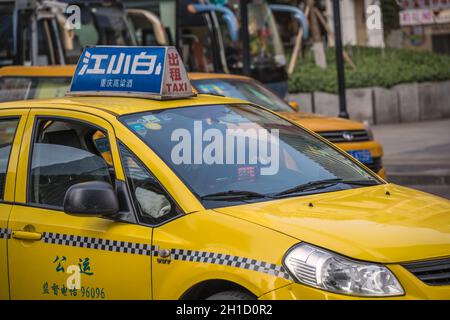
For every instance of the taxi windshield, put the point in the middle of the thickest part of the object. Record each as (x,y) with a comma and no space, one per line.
(234,154)
(23,88)
(242,89)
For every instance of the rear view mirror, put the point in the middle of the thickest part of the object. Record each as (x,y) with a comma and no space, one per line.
(294,105)
(93,198)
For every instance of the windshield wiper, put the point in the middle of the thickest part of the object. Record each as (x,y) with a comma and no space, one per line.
(322,184)
(234,195)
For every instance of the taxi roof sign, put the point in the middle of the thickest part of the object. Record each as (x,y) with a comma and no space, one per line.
(146,72)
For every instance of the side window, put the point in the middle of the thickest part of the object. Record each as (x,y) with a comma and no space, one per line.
(64,153)
(7,131)
(151,200)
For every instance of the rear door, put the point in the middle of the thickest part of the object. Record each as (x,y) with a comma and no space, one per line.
(11,129)
(53,255)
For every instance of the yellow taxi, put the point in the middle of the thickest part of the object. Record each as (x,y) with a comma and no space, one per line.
(22,82)
(130,187)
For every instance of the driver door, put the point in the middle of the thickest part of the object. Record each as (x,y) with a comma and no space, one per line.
(53,255)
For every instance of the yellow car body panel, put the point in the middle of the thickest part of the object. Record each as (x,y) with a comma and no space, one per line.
(366,224)
(8,196)
(36,267)
(212,232)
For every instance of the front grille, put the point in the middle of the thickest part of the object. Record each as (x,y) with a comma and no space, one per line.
(345,136)
(433,272)
(375,166)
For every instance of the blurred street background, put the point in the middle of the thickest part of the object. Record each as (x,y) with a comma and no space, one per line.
(418,156)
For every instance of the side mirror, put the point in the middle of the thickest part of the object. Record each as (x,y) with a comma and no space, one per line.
(93,198)
(294,105)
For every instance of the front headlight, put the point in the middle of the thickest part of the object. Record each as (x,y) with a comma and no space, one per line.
(325,270)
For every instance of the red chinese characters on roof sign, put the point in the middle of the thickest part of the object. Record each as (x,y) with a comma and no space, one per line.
(176,81)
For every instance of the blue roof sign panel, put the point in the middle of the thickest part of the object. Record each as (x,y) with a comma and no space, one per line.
(148,72)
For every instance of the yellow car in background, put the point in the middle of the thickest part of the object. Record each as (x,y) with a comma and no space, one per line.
(19,82)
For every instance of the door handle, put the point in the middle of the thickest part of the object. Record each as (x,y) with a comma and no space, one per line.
(26,235)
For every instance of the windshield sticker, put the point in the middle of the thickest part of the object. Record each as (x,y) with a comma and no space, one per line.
(246,173)
(151,122)
(102,145)
(139,128)
(150,118)
(153,126)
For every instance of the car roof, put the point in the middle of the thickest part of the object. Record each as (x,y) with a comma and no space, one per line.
(68,70)
(203,76)
(118,105)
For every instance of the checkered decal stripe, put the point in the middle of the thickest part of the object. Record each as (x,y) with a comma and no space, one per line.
(229,260)
(99,244)
(5,233)
(149,250)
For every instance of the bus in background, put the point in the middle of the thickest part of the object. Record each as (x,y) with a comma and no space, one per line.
(111,23)
(29,34)
(209,38)
(35,32)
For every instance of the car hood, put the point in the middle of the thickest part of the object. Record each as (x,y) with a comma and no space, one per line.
(320,123)
(363,223)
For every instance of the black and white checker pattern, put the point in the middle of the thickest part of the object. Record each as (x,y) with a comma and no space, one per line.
(176,254)
(5,233)
(230,260)
(99,244)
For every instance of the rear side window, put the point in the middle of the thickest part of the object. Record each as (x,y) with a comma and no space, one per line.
(65,153)
(7,131)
